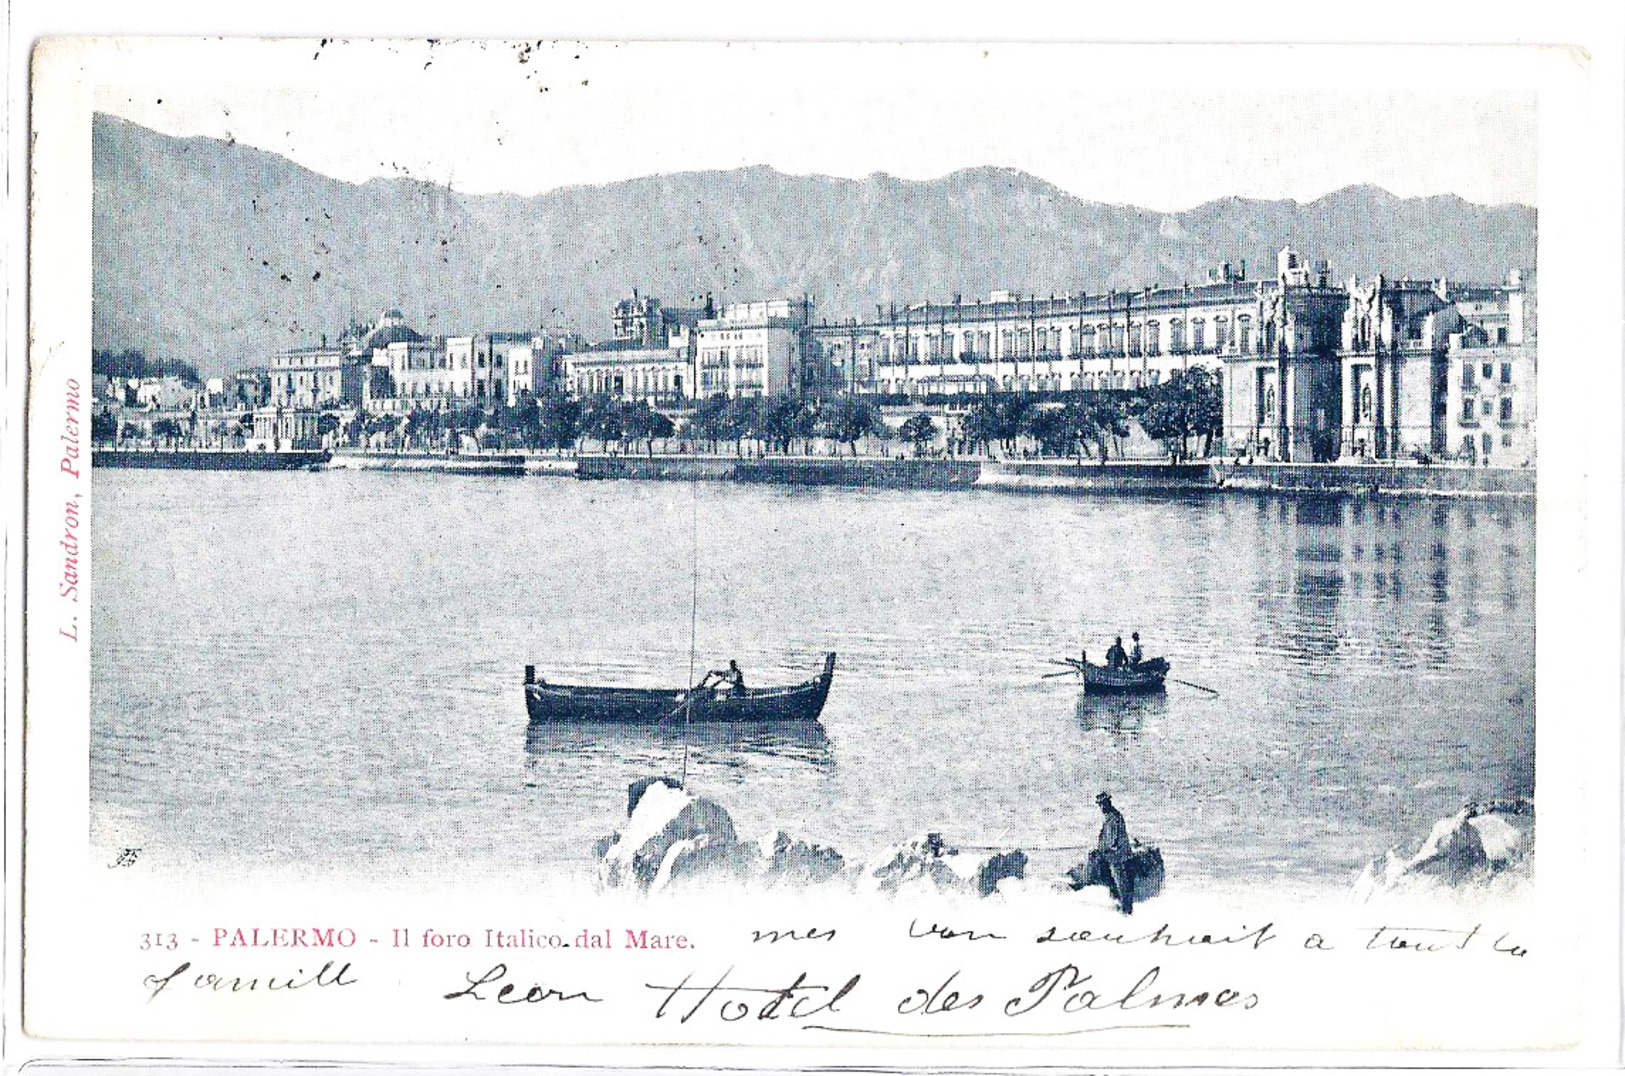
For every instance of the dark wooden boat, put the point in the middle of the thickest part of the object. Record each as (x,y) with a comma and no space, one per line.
(549,703)
(1142,679)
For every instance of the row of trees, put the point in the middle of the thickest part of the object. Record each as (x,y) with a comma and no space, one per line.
(1185,408)
(1183,413)
(563,422)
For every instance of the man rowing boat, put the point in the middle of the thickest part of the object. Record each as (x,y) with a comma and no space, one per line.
(733,677)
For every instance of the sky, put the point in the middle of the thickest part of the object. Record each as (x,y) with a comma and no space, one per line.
(1164,127)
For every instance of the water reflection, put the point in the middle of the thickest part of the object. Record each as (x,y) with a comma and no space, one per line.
(720,744)
(1347,590)
(1119,713)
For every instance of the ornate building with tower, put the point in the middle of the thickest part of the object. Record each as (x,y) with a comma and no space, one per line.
(1310,369)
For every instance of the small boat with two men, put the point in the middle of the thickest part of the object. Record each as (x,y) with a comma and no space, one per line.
(1125,672)
(720,697)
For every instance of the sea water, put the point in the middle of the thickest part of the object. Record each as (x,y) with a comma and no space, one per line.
(317,672)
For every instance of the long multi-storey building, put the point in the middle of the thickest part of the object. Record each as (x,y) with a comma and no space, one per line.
(1309,369)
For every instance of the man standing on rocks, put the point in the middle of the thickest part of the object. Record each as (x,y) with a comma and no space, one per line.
(1115,850)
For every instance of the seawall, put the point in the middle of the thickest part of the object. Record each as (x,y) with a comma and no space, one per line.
(205,459)
(427,462)
(1055,476)
(1069,476)
(863,471)
(1437,480)
(1018,476)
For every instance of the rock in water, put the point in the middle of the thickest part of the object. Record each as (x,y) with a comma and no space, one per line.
(636,789)
(697,834)
(1476,845)
(793,862)
(704,856)
(926,863)
(997,867)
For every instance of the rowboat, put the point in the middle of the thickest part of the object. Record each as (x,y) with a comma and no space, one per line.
(1142,679)
(549,703)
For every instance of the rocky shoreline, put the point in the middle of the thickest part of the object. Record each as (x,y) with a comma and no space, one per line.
(672,839)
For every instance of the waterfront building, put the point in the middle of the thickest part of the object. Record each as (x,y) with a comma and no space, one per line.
(406,371)
(643,321)
(660,376)
(753,348)
(316,377)
(1309,369)
(277,428)
(1489,407)
(421,374)
(248,388)
(167,393)
(1007,343)
(490,365)
(650,356)
(536,367)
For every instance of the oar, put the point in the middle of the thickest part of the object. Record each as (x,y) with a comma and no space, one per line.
(1063,672)
(688,698)
(1198,687)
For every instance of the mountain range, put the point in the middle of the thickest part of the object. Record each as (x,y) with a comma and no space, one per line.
(219,254)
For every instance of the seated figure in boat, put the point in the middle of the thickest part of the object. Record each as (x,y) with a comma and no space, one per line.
(1116,658)
(1136,653)
(733,677)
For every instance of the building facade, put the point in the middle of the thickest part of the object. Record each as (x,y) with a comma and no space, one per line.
(659,376)
(280,428)
(753,348)
(1310,370)
(316,377)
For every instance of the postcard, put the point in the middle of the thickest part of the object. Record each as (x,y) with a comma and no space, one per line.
(795,554)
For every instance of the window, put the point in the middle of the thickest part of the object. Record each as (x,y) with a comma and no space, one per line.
(1088,339)
(1487,408)
(1176,330)
(1506,440)
(1501,335)
(1506,373)
(1466,375)
(1198,330)
(1221,332)
(1469,411)
(1488,442)
(1153,338)
(1506,409)
(1244,333)
(1489,370)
